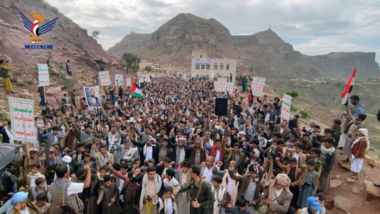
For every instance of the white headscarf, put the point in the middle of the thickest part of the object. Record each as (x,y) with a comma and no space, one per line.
(364,131)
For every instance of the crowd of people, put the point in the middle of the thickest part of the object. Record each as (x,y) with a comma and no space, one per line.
(170,153)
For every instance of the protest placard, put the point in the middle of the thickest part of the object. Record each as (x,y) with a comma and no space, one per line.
(257,86)
(43,75)
(285,107)
(230,87)
(104,77)
(129,82)
(119,79)
(22,120)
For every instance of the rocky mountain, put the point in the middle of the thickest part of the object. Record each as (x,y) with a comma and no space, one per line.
(69,40)
(263,52)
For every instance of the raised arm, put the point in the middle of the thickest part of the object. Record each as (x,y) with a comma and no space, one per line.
(349,113)
(232,173)
(116,173)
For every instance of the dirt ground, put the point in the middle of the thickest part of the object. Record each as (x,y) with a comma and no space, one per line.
(361,206)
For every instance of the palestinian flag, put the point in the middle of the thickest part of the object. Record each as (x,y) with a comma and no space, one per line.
(250,96)
(348,88)
(136,92)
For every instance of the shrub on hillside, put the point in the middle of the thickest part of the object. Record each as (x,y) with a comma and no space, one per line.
(304,114)
(293,94)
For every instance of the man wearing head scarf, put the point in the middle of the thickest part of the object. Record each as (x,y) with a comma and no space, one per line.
(358,152)
(278,196)
(18,203)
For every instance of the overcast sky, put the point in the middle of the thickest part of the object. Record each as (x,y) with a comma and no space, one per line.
(311,26)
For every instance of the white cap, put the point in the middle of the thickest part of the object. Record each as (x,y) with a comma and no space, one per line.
(242,133)
(66,159)
(182,139)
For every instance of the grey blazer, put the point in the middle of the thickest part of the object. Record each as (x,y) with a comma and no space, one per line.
(120,152)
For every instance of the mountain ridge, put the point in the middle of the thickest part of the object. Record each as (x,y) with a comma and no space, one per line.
(173,42)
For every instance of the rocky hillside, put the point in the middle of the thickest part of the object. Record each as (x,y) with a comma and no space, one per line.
(69,40)
(340,65)
(261,52)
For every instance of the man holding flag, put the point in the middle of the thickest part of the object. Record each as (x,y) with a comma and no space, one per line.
(355,117)
(136,92)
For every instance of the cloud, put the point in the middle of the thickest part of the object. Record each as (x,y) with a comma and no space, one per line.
(344,25)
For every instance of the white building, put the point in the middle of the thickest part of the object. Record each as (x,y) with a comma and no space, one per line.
(203,66)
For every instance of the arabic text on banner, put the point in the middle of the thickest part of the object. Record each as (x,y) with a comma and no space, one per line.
(257,86)
(104,78)
(43,75)
(230,87)
(22,120)
(285,107)
(222,85)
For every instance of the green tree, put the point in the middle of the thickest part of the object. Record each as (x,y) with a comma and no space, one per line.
(148,68)
(293,94)
(131,60)
(135,68)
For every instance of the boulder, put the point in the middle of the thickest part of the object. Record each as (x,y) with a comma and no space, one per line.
(356,189)
(370,161)
(345,165)
(337,176)
(343,203)
(335,183)
(371,192)
(350,180)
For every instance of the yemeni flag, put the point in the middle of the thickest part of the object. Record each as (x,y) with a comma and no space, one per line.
(348,88)
(136,92)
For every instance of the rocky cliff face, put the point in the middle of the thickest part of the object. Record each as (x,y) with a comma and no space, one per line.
(340,65)
(264,51)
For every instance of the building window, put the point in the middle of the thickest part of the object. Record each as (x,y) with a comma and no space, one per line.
(228,67)
(197,67)
(201,56)
(202,67)
(215,66)
(208,67)
(221,66)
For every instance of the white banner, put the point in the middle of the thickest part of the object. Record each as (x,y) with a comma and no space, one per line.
(22,120)
(285,107)
(43,75)
(104,77)
(92,97)
(230,87)
(257,86)
(222,85)
(119,79)
(216,84)
(147,79)
(129,82)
